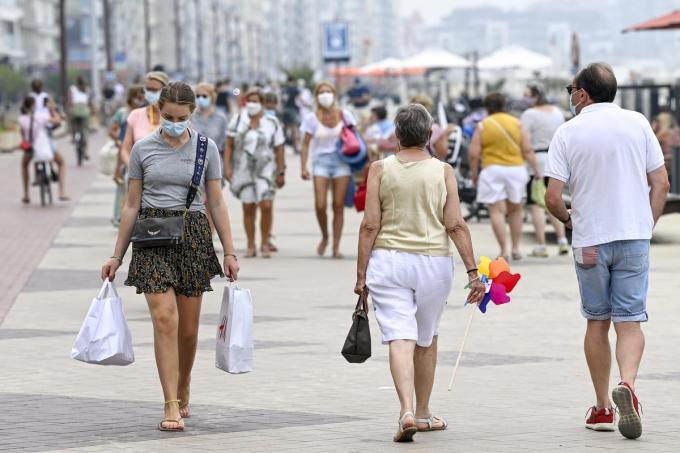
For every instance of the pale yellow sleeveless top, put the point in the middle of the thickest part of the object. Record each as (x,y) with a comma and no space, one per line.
(412,199)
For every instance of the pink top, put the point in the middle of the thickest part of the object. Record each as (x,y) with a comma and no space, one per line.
(139,122)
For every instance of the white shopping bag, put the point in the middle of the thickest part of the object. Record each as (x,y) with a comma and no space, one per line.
(108,158)
(104,337)
(234,348)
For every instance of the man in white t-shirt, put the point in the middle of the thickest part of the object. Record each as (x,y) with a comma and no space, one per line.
(609,158)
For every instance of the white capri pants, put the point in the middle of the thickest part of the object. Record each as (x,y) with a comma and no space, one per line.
(409,293)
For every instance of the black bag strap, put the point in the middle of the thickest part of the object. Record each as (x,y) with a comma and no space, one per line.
(362,303)
(30,130)
(199,165)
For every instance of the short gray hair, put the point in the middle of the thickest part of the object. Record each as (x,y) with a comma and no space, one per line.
(413,126)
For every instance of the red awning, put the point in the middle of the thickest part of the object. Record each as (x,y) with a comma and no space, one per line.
(665,22)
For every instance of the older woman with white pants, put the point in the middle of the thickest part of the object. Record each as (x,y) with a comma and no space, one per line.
(405,260)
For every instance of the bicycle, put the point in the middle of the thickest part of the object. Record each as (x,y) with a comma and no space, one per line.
(43,179)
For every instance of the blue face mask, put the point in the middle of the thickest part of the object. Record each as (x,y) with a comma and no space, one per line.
(572,107)
(152,96)
(270,112)
(174,129)
(202,102)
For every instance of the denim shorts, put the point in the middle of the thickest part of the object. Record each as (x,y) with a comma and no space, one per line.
(329,165)
(613,279)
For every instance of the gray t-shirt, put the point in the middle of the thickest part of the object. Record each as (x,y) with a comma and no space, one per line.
(167,172)
(213,126)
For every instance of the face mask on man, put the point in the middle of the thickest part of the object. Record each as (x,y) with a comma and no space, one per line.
(326,99)
(253,108)
(152,96)
(270,112)
(572,107)
(203,102)
(174,129)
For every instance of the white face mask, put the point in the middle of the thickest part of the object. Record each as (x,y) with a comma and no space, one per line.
(253,108)
(326,99)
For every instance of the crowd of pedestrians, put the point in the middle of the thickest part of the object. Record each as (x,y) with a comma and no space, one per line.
(169,134)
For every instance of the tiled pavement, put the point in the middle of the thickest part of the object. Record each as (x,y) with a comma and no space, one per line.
(523,385)
(26,231)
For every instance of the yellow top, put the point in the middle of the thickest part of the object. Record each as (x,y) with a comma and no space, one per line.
(412,198)
(501,138)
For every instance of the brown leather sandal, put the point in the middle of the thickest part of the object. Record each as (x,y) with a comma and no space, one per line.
(180,426)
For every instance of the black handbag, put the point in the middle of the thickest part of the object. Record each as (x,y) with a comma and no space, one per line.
(357,347)
(165,231)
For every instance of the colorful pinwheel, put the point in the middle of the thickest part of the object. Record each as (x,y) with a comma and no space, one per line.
(498,280)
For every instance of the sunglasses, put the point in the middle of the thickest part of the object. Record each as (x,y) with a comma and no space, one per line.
(205,96)
(571,89)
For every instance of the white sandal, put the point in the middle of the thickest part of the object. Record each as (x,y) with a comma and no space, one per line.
(406,434)
(430,421)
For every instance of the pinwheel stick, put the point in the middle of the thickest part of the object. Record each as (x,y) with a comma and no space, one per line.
(473,310)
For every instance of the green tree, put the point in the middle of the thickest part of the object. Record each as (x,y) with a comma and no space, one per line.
(13,84)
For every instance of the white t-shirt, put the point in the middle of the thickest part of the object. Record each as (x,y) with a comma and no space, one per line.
(41,101)
(604,155)
(78,96)
(42,150)
(324,139)
(541,126)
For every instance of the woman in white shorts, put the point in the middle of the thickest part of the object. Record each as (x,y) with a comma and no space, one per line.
(254,164)
(503,146)
(321,130)
(405,260)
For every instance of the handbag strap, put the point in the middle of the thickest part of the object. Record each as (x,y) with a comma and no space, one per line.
(362,303)
(505,134)
(199,165)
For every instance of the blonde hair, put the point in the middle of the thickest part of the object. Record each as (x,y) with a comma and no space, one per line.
(158,76)
(666,121)
(177,92)
(254,92)
(318,87)
(209,87)
(424,100)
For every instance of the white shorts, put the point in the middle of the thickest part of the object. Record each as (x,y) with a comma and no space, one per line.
(501,182)
(409,293)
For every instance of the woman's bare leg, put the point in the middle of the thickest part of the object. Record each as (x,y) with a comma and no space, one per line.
(189,311)
(320,204)
(339,190)
(163,310)
(249,215)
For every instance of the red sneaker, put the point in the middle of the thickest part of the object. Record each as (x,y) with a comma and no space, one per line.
(600,419)
(630,423)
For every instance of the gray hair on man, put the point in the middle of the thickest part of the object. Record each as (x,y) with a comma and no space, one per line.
(413,126)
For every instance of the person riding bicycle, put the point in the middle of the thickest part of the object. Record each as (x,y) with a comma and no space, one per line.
(36,144)
(80,109)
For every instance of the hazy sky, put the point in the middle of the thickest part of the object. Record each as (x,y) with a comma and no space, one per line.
(433,10)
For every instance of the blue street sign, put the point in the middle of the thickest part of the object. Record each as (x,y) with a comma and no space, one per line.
(336,42)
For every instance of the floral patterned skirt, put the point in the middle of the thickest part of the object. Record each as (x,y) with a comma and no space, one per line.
(187,267)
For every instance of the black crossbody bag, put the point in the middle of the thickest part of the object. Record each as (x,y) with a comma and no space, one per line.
(165,231)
